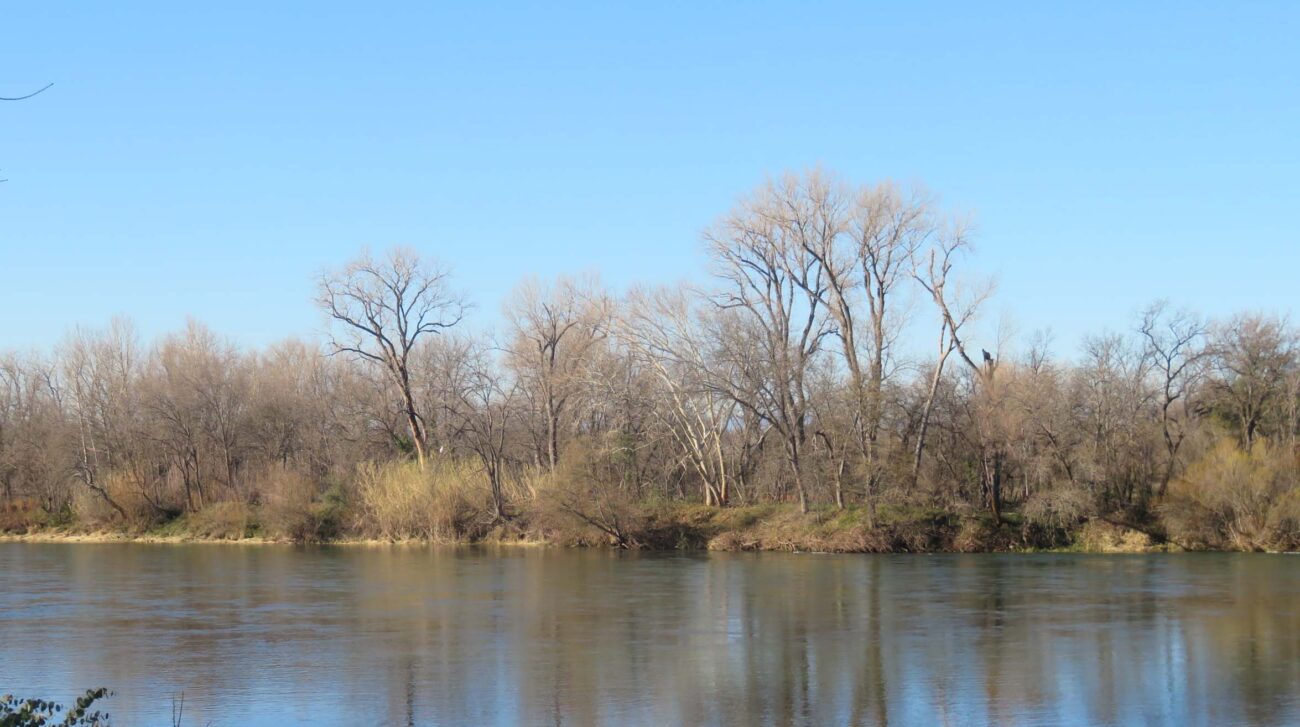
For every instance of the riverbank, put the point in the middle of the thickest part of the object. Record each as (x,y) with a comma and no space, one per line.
(668,527)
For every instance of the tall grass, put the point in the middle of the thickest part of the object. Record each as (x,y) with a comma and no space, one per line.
(447,501)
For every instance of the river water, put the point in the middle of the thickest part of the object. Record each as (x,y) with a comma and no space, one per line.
(271,635)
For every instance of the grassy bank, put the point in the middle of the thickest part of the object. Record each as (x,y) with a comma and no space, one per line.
(453,501)
(650,526)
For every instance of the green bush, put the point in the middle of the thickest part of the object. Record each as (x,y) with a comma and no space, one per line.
(16,712)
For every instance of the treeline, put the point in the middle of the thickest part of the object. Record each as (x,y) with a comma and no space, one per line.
(783,381)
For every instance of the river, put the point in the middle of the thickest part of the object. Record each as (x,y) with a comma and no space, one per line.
(350,635)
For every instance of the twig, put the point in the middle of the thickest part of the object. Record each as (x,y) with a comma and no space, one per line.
(33,93)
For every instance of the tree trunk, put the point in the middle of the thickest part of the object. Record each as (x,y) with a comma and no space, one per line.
(103,495)
(925,416)
(416,441)
(552,434)
(412,417)
(798,479)
(993,484)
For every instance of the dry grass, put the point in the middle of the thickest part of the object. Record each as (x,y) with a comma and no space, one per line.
(675,525)
(1098,536)
(1228,500)
(22,516)
(448,501)
(221,521)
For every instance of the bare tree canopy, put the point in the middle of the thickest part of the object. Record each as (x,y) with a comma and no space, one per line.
(381,309)
(555,331)
(797,381)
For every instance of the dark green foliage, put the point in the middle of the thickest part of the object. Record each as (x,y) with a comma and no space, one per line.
(15,712)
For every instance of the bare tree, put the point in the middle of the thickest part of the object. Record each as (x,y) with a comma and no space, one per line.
(481,406)
(382,308)
(889,227)
(1048,439)
(665,331)
(780,380)
(1174,345)
(34,441)
(96,370)
(955,310)
(1253,357)
(1113,409)
(554,330)
(777,288)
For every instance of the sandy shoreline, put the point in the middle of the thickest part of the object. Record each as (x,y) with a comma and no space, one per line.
(116,537)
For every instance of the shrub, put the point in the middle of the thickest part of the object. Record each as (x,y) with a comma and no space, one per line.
(393,497)
(461,503)
(91,508)
(222,521)
(16,712)
(1248,500)
(294,508)
(21,516)
(448,501)
(578,505)
(1060,507)
(1099,536)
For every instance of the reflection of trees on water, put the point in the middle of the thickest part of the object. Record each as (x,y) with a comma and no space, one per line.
(561,638)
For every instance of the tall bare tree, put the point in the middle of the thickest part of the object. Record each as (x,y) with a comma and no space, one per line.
(781,379)
(1174,344)
(554,329)
(98,373)
(382,308)
(777,288)
(956,309)
(889,227)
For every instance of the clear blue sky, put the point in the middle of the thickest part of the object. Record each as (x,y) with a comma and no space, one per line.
(210,162)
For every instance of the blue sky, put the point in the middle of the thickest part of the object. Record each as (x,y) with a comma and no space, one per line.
(210,162)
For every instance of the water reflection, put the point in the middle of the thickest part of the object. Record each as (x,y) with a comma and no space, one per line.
(270,635)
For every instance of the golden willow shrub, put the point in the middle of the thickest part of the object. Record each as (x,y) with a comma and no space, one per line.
(1234,498)
(449,500)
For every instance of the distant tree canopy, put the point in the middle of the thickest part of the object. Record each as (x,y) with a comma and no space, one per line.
(781,381)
